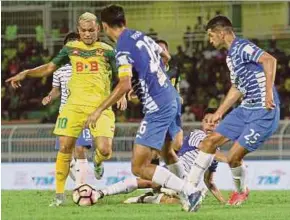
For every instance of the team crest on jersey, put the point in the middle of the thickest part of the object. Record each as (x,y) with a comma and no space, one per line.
(100,52)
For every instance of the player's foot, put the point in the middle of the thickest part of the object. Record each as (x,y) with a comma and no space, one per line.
(244,195)
(72,170)
(169,192)
(238,198)
(98,170)
(132,200)
(234,198)
(191,203)
(148,197)
(57,201)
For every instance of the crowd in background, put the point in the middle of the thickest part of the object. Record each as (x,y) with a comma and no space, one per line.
(204,80)
(24,103)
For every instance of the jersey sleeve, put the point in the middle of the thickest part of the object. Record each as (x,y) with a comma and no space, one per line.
(250,52)
(55,79)
(62,57)
(110,55)
(196,137)
(124,59)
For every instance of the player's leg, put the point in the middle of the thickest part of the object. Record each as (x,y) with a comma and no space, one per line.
(103,138)
(238,169)
(173,142)
(103,146)
(68,127)
(62,167)
(125,186)
(170,157)
(229,129)
(72,163)
(81,166)
(262,124)
(153,198)
(142,167)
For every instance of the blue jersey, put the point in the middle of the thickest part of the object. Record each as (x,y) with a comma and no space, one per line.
(189,150)
(149,80)
(247,75)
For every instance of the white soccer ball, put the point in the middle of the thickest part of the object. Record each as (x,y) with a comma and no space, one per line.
(85,195)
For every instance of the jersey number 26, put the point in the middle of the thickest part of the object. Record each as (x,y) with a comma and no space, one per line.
(149,44)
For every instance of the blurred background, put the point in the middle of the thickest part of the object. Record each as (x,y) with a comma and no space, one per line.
(33,32)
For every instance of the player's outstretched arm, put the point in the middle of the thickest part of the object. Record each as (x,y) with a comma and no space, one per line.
(52,95)
(208,180)
(269,64)
(38,72)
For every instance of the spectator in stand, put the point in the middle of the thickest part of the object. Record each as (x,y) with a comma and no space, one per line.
(187,116)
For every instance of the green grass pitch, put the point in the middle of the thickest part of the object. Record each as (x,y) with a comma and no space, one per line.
(30,205)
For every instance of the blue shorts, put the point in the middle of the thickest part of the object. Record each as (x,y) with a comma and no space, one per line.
(85,139)
(249,127)
(156,126)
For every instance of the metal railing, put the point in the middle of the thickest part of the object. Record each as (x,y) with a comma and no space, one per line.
(35,143)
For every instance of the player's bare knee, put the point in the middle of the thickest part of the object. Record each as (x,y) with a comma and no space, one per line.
(210,143)
(234,161)
(66,149)
(135,169)
(106,152)
(178,141)
(80,152)
(66,145)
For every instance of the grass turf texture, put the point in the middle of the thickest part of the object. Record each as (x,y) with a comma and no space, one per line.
(262,205)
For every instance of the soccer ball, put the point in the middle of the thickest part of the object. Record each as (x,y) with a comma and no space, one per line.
(85,195)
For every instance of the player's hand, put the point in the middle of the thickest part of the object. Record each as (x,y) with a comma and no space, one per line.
(131,95)
(15,80)
(213,118)
(92,119)
(46,100)
(270,100)
(122,103)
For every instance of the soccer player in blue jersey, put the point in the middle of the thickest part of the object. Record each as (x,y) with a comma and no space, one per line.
(139,66)
(186,155)
(252,72)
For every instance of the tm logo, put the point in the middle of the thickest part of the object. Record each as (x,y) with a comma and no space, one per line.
(121,175)
(44,180)
(272,179)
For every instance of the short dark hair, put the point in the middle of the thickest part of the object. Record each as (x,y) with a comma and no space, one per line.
(114,16)
(219,21)
(70,37)
(162,42)
(209,111)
